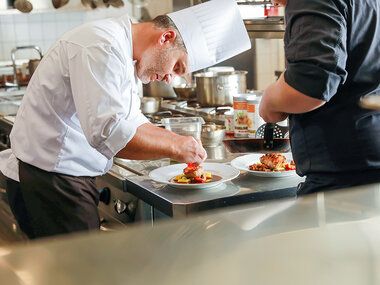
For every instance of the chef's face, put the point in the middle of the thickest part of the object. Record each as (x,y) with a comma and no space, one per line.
(279,2)
(162,62)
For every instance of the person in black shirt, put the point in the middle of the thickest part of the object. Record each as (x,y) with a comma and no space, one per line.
(332,50)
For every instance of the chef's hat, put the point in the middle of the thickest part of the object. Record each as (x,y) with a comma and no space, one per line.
(212,32)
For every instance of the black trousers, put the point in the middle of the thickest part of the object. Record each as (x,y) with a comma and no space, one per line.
(47,203)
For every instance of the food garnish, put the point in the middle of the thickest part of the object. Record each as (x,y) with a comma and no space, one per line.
(273,162)
(193,174)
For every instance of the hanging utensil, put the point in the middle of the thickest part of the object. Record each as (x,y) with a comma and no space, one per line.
(59,3)
(114,3)
(23,5)
(88,4)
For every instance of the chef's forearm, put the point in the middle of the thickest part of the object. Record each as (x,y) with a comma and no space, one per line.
(149,142)
(280,97)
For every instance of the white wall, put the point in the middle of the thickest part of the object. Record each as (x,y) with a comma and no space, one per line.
(43,28)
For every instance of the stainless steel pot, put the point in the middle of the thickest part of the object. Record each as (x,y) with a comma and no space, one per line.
(150,105)
(218,88)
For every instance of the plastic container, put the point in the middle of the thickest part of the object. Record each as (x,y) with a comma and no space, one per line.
(254,119)
(240,116)
(186,126)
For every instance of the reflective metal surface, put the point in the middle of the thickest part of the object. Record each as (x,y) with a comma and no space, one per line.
(218,88)
(179,203)
(327,238)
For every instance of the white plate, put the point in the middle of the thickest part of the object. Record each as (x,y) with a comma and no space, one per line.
(166,173)
(243,163)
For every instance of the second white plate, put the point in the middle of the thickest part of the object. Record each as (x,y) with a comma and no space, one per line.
(243,163)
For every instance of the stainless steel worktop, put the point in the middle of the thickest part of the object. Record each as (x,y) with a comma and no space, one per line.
(324,238)
(178,203)
(174,203)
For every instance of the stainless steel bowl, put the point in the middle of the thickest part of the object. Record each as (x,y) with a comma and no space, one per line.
(185,91)
(159,89)
(212,134)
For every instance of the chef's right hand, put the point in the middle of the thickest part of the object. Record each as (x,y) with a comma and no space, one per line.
(189,150)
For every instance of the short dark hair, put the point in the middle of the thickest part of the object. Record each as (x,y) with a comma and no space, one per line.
(164,22)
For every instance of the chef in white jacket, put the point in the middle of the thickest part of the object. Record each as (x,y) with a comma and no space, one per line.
(81,109)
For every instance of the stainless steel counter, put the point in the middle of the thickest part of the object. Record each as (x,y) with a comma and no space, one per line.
(179,203)
(324,238)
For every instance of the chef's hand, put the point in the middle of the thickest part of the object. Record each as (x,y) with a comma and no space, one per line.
(272,117)
(189,150)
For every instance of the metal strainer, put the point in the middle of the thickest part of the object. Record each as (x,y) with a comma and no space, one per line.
(278,132)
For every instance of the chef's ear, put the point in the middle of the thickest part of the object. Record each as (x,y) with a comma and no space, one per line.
(168,36)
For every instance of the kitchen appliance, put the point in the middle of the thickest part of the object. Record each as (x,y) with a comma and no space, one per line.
(218,88)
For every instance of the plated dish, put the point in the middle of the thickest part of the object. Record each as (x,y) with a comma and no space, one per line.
(218,173)
(266,165)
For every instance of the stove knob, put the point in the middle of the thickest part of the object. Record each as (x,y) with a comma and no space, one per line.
(105,195)
(120,206)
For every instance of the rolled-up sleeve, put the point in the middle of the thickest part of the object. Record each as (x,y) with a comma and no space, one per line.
(109,118)
(316,47)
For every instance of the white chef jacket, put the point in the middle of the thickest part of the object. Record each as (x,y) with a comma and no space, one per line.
(81,106)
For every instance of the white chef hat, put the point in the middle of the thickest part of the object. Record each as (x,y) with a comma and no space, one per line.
(212,32)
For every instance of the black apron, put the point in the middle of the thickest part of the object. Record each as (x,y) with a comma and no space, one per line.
(47,203)
(332,49)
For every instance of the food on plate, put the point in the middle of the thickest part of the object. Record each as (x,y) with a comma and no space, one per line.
(273,162)
(193,174)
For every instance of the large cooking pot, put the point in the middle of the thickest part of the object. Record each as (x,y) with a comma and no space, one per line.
(218,88)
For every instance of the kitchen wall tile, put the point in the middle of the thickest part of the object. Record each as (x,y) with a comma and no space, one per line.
(72,24)
(22,32)
(33,18)
(59,17)
(20,18)
(7,32)
(49,30)
(46,46)
(75,16)
(7,19)
(35,32)
(7,47)
(62,27)
(48,17)
(1,49)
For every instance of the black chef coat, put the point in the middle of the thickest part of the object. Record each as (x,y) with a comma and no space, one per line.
(332,50)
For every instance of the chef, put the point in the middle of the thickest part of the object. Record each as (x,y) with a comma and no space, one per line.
(81,108)
(332,50)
